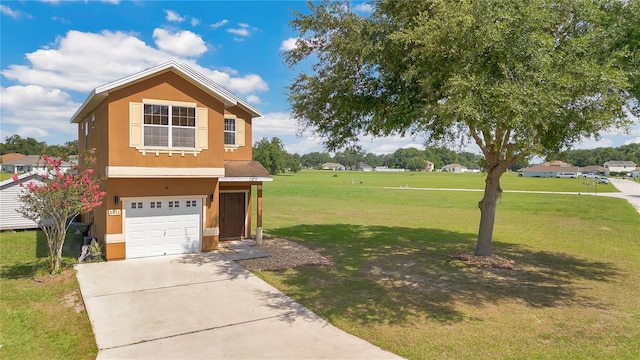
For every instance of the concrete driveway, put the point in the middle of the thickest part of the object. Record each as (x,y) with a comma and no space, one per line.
(629,190)
(204,306)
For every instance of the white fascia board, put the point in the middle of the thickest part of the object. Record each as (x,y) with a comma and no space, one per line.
(244,179)
(162,172)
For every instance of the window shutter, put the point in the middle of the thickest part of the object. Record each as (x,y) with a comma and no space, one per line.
(240,132)
(135,124)
(202,128)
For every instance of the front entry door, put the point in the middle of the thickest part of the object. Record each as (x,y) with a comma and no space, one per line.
(232,215)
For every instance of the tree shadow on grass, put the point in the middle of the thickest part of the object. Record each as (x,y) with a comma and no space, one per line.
(39,263)
(393,274)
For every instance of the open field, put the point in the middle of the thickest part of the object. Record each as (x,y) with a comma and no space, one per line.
(41,317)
(572,296)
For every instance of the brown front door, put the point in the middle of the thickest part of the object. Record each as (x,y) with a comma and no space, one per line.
(232,215)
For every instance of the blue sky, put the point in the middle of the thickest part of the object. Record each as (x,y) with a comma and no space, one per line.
(53,53)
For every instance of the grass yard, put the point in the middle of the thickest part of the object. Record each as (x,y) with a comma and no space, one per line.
(5,176)
(41,317)
(574,294)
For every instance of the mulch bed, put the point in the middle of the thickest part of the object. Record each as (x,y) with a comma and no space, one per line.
(493,261)
(283,254)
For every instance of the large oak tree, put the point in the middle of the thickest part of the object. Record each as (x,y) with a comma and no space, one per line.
(518,78)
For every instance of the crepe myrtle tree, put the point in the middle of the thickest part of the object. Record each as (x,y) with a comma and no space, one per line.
(518,78)
(58,199)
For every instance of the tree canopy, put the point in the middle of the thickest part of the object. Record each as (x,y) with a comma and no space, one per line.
(31,146)
(518,78)
(274,158)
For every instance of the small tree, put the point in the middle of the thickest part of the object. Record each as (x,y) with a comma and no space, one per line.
(58,200)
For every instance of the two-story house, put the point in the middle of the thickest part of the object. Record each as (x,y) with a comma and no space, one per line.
(174,151)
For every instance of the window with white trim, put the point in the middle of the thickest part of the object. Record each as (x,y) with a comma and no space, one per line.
(169,126)
(229,131)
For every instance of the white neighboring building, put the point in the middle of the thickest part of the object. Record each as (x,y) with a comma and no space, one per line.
(620,166)
(28,163)
(386,169)
(454,168)
(333,166)
(10,219)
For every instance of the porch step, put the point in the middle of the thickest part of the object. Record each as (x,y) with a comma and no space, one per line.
(243,250)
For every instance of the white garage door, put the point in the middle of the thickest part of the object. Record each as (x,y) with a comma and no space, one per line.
(162,226)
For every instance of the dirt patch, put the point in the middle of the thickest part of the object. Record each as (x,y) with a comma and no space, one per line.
(493,261)
(74,301)
(283,254)
(49,278)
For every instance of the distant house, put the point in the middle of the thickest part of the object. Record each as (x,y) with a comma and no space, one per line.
(454,168)
(548,171)
(593,169)
(429,167)
(620,166)
(635,173)
(366,167)
(10,190)
(10,157)
(28,163)
(386,169)
(333,166)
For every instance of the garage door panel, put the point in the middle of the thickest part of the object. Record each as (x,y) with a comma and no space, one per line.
(169,228)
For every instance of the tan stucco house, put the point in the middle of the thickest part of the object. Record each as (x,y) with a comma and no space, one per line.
(174,150)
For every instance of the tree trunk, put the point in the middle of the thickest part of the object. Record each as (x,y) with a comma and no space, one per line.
(487,205)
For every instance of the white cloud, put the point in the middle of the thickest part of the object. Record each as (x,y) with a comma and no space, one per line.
(288,44)
(220,23)
(5,10)
(592,143)
(183,43)
(34,132)
(39,107)
(245,84)
(635,140)
(195,22)
(60,20)
(274,124)
(253,99)
(82,61)
(173,16)
(4,134)
(305,145)
(363,8)
(240,31)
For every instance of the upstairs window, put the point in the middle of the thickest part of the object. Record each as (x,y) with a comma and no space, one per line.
(230,131)
(169,126)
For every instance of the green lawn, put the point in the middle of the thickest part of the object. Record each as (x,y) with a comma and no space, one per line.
(41,317)
(5,176)
(574,294)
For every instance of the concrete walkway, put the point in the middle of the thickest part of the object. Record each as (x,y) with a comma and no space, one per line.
(629,190)
(204,306)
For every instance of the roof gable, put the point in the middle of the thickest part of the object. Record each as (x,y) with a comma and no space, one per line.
(209,86)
